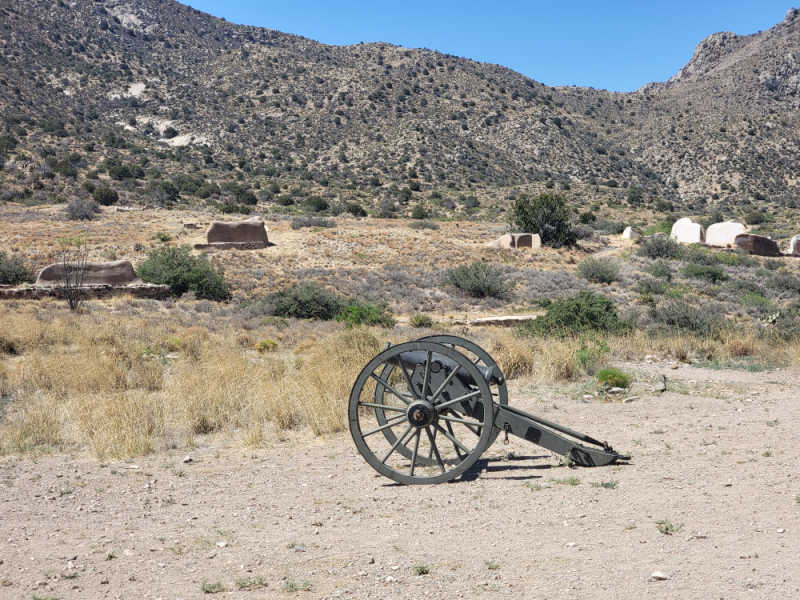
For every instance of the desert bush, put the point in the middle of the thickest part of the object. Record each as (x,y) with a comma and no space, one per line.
(355,209)
(751,298)
(357,312)
(547,215)
(316,204)
(704,256)
(423,225)
(182,272)
(599,270)
(227,208)
(420,320)
(680,315)
(711,273)
(419,212)
(82,209)
(305,301)
(591,351)
(755,217)
(613,377)
(784,282)
(585,311)
(13,270)
(654,287)
(105,195)
(660,269)
(479,279)
(300,222)
(659,246)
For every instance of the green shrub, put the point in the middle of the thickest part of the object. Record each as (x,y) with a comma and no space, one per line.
(419,212)
(105,195)
(547,215)
(585,311)
(752,298)
(420,320)
(181,271)
(479,279)
(316,204)
(13,271)
(659,246)
(267,345)
(677,314)
(357,312)
(714,274)
(613,377)
(784,282)
(355,209)
(653,287)
(704,256)
(305,301)
(423,225)
(227,208)
(599,270)
(592,350)
(660,269)
(300,222)
(660,227)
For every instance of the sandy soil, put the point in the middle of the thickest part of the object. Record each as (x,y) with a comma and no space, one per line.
(715,457)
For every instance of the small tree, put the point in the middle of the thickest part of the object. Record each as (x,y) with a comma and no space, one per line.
(13,270)
(73,256)
(547,215)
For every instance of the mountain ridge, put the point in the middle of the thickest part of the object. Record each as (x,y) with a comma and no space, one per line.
(384,121)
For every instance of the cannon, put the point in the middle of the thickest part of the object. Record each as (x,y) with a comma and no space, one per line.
(424,411)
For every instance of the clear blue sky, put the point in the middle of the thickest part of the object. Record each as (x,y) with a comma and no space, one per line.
(614,45)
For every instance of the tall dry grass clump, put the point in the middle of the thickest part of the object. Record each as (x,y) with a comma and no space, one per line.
(120,424)
(327,376)
(544,359)
(32,425)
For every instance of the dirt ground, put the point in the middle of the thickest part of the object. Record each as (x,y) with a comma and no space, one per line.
(714,461)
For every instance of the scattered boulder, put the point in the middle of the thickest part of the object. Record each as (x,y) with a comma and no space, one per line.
(794,246)
(114,273)
(723,234)
(757,244)
(249,231)
(517,240)
(629,234)
(687,231)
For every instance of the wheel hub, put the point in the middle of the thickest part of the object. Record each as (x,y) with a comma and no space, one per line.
(420,413)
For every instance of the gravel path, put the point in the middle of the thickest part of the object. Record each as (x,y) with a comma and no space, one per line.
(714,460)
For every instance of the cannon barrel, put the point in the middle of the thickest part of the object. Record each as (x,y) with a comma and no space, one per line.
(416,358)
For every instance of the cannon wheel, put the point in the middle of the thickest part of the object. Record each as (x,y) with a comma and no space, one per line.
(439,446)
(477,355)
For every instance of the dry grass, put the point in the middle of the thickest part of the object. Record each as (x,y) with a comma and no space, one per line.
(125,385)
(120,387)
(546,360)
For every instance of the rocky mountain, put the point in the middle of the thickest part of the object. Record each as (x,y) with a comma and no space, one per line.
(168,103)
